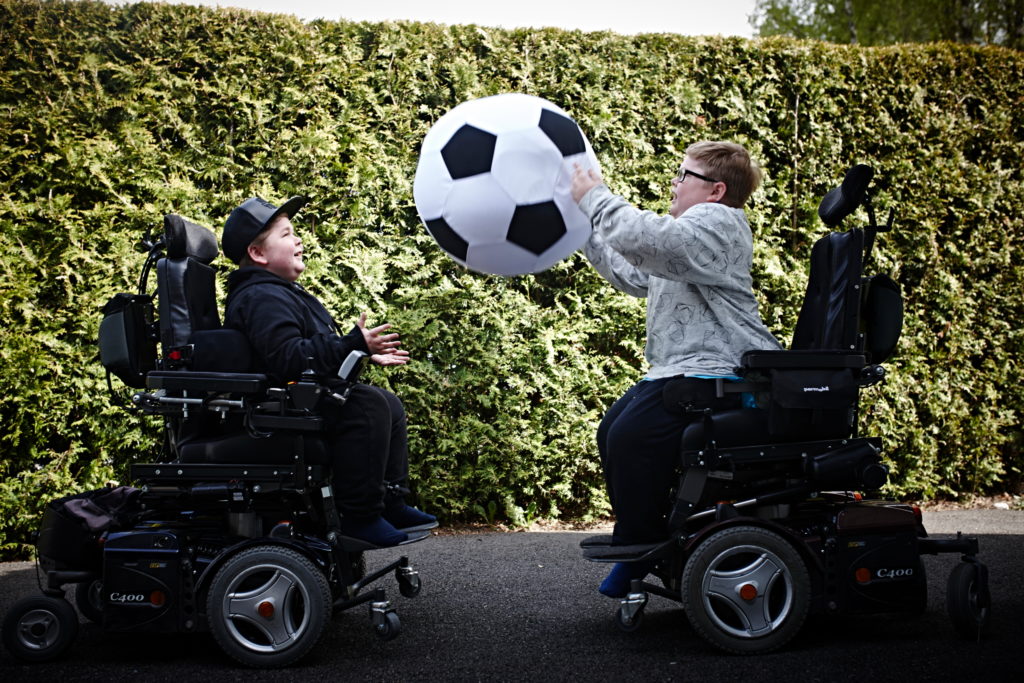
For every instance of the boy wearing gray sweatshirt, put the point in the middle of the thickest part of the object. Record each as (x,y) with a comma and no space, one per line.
(693,267)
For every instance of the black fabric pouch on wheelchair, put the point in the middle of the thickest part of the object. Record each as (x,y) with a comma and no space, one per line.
(686,395)
(812,403)
(127,346)
(72,524)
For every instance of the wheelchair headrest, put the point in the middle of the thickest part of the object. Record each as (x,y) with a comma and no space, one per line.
(844,200)
(183,239)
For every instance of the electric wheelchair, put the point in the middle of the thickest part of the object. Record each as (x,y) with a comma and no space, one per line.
(768,522)
(234,530)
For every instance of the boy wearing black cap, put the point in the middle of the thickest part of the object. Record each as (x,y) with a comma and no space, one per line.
(290,331)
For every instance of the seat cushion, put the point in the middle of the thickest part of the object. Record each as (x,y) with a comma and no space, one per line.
(241,448)
(730,428)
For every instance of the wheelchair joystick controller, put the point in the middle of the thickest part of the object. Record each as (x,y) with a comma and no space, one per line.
(305,393)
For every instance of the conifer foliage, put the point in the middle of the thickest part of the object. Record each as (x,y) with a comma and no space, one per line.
(111,117)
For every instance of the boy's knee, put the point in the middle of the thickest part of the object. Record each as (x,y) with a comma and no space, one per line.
(623,438)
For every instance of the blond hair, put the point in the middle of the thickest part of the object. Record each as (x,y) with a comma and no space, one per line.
(731,164)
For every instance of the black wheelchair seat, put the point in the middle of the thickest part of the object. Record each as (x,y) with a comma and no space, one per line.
(243,448)
(741,427)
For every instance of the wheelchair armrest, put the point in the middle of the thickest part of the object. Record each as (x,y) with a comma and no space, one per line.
(207,382)
(353,366)
(785,360)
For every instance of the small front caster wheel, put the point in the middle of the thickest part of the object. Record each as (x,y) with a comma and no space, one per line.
(409,583)
(967,602)
(39,628)
(89,600)
(389,628)
(628,622)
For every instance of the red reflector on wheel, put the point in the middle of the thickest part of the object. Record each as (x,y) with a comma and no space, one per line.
(157,598)
(862,575)
(266,609)
(748,591)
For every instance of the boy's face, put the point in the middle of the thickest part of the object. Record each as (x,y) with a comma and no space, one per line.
(691,186)
(281,251)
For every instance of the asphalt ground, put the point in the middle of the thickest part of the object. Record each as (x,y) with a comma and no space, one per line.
(524,607)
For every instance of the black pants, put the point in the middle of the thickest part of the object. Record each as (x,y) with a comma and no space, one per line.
(369,445)
(639,440)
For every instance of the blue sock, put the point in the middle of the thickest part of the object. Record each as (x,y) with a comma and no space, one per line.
(616,584)
(408,517)
(375,530)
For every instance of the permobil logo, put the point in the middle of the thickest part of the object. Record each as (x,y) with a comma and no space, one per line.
(824,388)
(127,597)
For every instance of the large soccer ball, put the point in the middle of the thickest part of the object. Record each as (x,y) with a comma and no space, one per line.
(493,180)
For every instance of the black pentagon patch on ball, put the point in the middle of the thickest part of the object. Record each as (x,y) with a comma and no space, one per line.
(536,227)
(563,131)
(448,238)
(468,152)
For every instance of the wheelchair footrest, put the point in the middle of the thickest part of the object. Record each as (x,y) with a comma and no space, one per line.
(355,545)
(600,539)
(628,553)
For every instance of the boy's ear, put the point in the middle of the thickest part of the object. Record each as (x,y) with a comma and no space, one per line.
(718,191)
(255,252)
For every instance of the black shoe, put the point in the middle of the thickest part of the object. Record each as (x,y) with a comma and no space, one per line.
(408,519)
(376,531)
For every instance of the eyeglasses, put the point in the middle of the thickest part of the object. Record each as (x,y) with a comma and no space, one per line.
(683,172)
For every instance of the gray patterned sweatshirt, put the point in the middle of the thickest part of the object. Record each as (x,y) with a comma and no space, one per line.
(695,273)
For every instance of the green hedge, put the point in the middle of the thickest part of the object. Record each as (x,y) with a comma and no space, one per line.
(112,116)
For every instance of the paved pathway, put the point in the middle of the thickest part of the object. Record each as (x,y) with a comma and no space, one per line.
(523,607)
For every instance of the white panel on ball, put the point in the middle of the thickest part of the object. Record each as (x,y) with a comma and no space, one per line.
(505,113)
(530,148)
(479,222)
(431,185)
(502,259)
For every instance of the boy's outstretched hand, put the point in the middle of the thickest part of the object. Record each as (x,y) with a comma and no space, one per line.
(383,347)
(583,181)
(397,357)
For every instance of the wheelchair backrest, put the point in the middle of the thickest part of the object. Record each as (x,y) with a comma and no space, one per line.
(187,296)
(843,310)
(848,325)
(829,315)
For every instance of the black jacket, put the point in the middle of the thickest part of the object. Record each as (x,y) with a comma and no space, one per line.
(288,328)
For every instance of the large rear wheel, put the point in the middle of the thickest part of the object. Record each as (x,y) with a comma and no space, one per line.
(268,606)
(746,590)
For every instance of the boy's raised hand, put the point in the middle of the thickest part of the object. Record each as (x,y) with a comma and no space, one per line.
(583,181)
(378,343)
(396,357)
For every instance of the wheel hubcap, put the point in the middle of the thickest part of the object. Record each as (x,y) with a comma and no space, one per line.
(266,608)
(38,629)
(747,591)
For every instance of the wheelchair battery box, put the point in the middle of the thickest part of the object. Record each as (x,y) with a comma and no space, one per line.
(875,566)
(143,583)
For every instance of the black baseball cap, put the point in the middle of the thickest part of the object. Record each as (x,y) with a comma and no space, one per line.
(250,219)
